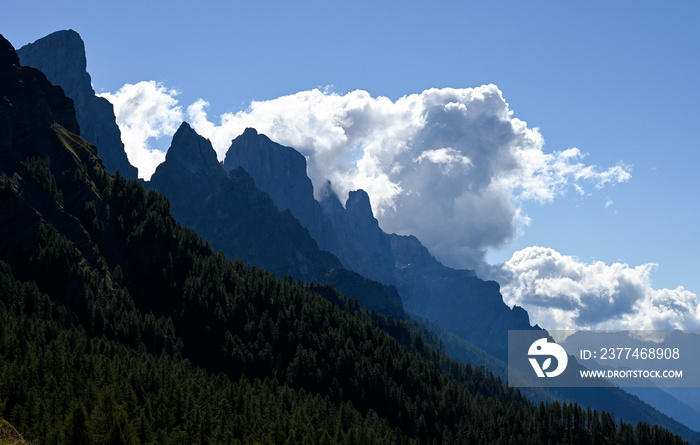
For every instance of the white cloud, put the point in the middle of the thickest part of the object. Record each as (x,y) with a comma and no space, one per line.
(443,161)
(561,292)
(446,157)
(145,111)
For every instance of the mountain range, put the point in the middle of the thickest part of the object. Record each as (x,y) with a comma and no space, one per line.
(457,299)
(229,211)
(109,263)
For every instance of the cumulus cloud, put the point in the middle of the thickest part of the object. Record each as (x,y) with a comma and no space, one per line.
(446,157)
(561,292)
(443,161)
(145,112)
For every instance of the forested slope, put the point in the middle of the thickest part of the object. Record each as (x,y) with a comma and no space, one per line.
(117,325)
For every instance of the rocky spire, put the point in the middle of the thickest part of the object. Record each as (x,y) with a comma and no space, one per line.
(277,170)
(30,105)
(194,153)
(61,57)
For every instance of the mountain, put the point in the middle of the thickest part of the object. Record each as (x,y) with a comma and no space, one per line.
(460,301)
(230,212)
(457,299)
(363,246)
(61,57)
(154,338)
(453,302)
(280,171)
(671,403)
(120,326)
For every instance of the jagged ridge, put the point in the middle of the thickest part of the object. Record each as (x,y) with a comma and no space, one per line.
(457,299)
(230,212)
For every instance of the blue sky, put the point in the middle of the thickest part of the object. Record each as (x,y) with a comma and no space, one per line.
(617,80)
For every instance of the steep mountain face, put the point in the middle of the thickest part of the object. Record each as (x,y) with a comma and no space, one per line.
(460,301)
(29,105)
(457,299)
(37,120)
(237,218)
(61,57)
(280,172)
(363,246)
(232,213)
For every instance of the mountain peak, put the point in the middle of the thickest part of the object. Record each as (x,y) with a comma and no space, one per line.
(251,143)
(277,170)
(193,152)
(250,132)
(326,193)
(64,60)
(8,56)
(358,203)
(30,105)
(61,57)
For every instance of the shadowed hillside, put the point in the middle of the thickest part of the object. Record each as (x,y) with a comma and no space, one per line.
(118,325)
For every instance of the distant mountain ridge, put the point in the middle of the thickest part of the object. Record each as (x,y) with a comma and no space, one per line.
(230,212)
(280,171)
(61,57)
(349,231)
(457,299)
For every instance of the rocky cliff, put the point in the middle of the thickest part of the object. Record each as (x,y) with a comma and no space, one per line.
(43,163)
(230,212)
(457,299)
(31,104)
(352,234)
(61,57)
(280,172)
(362,244)
(236,217)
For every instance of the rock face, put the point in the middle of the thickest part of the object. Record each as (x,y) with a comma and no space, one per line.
(460,301)
(362,245)
(194,155)
(352,234)
(61,57)
(30,106)
(236,217)
(457,299)
(280,172)
(231,213)
(42,162)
